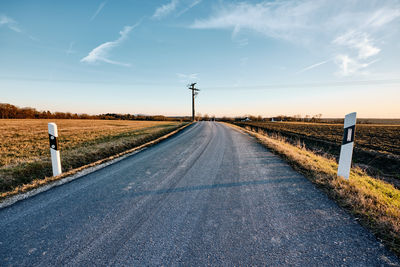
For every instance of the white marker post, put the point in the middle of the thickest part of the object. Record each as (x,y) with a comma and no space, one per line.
(346,151)
(55,153)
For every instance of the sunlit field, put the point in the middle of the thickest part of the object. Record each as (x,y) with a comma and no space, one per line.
(24,146)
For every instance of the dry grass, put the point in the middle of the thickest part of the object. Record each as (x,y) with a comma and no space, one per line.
(47,180)
(27,140)
(24,148)
(374,202)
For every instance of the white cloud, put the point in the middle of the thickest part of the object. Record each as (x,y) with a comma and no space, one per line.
(334,27)
(10,23)
(359,41)
(350,66)
(13,25)
(383,16)
(274,19)
(100,53)
(98,10)
(165,10)
(172,6)
(242,42)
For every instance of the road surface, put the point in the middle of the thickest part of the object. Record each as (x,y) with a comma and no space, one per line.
(207,196)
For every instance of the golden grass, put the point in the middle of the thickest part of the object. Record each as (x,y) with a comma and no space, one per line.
(27,139)
(374,202)
(24,146)
(47,180)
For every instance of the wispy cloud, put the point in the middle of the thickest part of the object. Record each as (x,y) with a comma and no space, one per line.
(100,7)
(165,10)
(383,16)
(14,26)
(359,41)
(173,7)
(348,30)
(242,42)
(274,19)
(190,6)
(10,23)
(100,53)
(349,66)
(313,66)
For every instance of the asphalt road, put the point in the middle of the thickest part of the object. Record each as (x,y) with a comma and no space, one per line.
(208,196)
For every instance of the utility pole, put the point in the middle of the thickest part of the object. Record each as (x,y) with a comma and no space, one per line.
(194,93)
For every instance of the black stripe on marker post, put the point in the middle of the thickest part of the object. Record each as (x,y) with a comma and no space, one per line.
(53,142)
(348,135)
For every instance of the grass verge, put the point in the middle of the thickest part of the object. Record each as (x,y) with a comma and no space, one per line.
(374,202)
(107,152)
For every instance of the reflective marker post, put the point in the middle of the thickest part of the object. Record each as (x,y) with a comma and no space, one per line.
(55,153)
(346,151)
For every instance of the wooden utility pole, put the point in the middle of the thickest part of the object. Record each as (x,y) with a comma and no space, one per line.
(194,93)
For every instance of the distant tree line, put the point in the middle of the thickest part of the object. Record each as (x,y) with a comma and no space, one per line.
(8,111)
(114,116)
(298,118)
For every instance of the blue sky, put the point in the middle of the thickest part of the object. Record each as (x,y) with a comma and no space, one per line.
(248,57)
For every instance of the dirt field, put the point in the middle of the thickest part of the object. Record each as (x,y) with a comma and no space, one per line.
(24,146)
(377,146)
(377,137)
(365,121)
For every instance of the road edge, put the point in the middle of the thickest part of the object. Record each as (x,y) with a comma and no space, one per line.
(51,182)
(345,193)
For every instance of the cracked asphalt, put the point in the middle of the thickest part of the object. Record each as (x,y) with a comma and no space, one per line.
(210,195)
